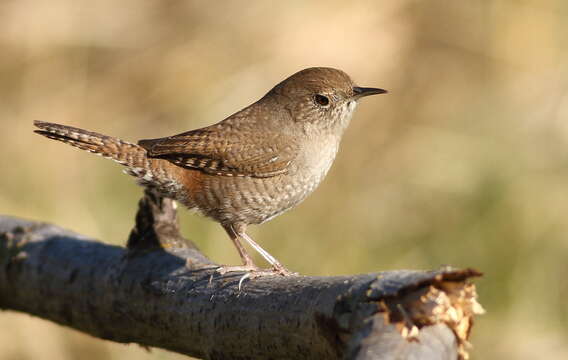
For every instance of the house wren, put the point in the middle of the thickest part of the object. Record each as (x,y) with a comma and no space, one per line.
(248,168)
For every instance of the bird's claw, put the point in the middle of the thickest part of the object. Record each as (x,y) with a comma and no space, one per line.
(254,272)
(246,268)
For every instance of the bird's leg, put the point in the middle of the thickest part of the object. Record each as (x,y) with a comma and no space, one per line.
(248,264)
(276,265)
(236,231)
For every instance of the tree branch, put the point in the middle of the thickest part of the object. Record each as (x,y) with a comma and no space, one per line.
(162,292)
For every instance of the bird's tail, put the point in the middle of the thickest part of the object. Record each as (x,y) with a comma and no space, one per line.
(125,153)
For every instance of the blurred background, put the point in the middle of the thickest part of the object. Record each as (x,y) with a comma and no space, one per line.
(463,163)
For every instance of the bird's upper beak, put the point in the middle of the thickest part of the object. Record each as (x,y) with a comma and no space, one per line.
(359,92)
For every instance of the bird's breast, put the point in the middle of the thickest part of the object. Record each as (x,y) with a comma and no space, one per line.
(316,158)
(307,171)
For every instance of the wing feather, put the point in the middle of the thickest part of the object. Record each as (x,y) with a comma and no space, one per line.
(227,153)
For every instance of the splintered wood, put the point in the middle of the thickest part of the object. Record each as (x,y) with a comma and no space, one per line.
(453,303)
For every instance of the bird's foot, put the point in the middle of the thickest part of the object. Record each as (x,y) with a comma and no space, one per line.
(278,269)
(253,272)
(242,268)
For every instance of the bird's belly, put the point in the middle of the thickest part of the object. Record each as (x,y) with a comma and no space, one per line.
(250,200)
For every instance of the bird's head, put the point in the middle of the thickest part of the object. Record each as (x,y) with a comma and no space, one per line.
(321,98)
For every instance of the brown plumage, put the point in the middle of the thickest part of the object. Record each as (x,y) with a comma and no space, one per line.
(248,168)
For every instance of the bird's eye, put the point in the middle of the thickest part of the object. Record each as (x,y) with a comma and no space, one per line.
(322,100)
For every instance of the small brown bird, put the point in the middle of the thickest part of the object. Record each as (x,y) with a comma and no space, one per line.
(248,168)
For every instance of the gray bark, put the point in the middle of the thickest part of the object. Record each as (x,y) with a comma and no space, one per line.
(162,292)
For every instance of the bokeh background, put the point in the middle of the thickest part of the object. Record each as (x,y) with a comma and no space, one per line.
(463,163)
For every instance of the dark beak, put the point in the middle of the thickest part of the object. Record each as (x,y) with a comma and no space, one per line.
(359,92)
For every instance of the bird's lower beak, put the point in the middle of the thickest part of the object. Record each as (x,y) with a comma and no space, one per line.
(359,92)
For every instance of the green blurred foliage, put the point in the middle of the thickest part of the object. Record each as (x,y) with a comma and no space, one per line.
(463,163)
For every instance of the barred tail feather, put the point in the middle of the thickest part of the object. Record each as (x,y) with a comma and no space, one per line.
(154,173)
(122,152)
